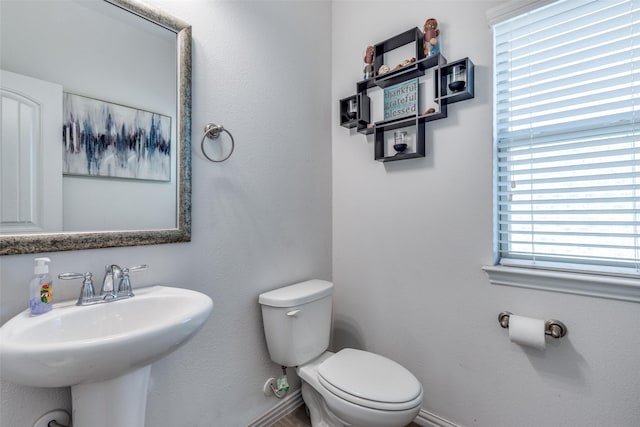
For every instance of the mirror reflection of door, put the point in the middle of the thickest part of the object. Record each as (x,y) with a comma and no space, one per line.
(30,154)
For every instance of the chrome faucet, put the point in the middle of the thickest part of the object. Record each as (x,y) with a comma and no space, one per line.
(111,282)
(116,284)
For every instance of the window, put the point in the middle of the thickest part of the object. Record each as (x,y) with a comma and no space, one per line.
(567,137)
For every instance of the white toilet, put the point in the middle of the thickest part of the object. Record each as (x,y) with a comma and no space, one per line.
(347,388)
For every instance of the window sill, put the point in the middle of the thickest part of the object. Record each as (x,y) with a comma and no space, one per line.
(589,284)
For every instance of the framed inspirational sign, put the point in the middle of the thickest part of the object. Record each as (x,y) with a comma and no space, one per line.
(401,100)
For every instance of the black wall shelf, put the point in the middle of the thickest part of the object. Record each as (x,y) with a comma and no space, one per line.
(414,35)
(408,72)
(367,130)
(443,75)
(422,118)
(362,116)
(381,153)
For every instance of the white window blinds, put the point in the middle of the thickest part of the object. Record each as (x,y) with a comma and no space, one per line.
(567,101)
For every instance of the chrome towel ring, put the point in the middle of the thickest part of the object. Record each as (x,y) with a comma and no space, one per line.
(213,131)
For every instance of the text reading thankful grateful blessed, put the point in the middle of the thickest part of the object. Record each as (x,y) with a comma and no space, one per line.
(401,100)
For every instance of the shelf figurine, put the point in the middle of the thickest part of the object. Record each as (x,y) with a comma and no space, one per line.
(384,69)
(368,62)
(431,40)
(405,63)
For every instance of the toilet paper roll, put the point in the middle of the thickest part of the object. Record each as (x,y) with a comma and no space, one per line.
(527,331)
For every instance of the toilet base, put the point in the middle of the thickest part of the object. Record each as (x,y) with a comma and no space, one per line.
(319,413)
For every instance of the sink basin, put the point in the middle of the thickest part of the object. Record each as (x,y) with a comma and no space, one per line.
(108,345)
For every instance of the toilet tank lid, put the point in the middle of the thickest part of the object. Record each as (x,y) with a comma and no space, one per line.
(297,294)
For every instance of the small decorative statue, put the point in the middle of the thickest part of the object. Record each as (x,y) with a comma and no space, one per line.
(431,41)
(384,69)
(368,62)
(405,63)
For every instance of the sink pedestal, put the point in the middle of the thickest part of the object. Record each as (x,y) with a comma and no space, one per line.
(120,401)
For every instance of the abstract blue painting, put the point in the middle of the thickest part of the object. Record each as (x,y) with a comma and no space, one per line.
(110,140)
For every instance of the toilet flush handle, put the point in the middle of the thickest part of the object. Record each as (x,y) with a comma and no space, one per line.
(293,313)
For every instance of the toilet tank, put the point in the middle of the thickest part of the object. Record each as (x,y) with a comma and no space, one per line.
(297,321)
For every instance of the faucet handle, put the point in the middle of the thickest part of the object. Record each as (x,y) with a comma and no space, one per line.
(87,292)
(136,268)
(124,289)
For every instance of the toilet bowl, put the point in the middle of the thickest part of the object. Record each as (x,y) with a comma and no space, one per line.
(359,388)
(348,388)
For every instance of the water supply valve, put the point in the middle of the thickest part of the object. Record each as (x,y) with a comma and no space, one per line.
(277,386)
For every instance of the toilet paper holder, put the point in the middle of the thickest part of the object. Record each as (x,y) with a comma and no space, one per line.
(552,327)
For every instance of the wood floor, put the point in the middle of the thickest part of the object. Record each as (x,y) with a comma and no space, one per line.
(299,418)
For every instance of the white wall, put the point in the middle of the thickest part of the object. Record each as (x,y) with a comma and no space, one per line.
(260,220)
(409,241)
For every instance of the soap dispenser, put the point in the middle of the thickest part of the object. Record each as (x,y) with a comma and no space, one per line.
(40,288)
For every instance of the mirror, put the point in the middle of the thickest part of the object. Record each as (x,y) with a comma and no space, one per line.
(123,72)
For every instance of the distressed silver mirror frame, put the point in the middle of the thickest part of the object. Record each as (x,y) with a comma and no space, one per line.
(50,242)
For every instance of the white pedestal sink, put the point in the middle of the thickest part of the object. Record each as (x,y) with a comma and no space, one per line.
(104,352)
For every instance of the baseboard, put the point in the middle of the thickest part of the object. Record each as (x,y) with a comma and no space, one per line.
(283,408)
(429,419)
(289,403)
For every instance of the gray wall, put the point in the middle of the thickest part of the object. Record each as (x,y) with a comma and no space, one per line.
(260,220)
(410,239)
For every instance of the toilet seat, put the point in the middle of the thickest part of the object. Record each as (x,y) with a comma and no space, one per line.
(370,380)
